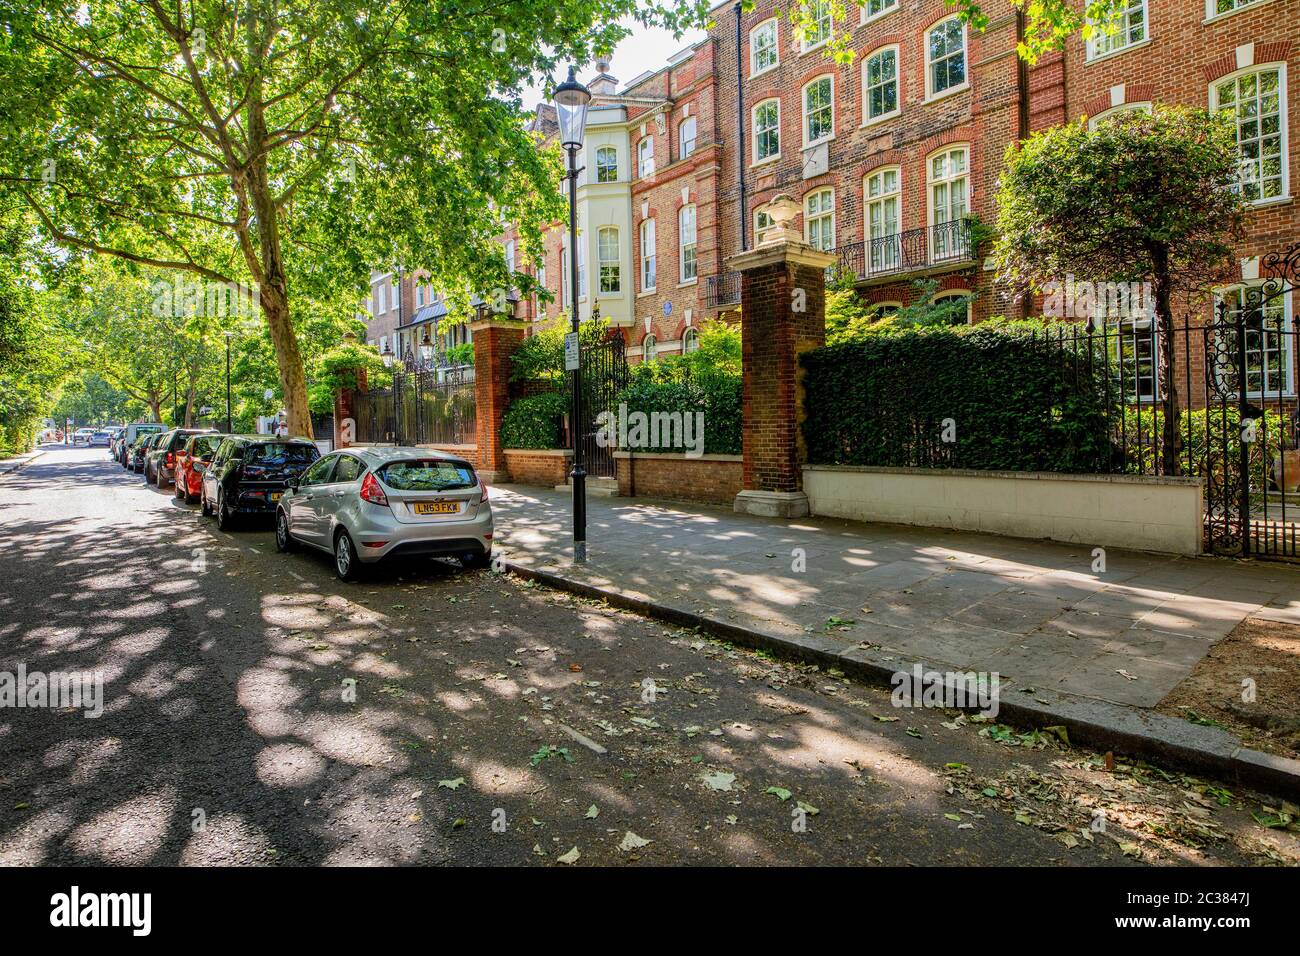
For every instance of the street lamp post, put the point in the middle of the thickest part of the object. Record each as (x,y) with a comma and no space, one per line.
(571,102)
(229,429)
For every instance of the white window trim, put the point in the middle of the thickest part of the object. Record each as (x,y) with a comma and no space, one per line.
(1284,108)
(651,171)
(867,200)
(805,48)
(808,195)
(957,294)
(753,133)
(1211,15)
(617,174)
(898,82)
(681,140)
(803,103)
(1287,339)
(930,183)
(654,253)
(681,245)
(776,23)
(617,261)
(930,95)
(1146,106)
(1090,57)
(864,19)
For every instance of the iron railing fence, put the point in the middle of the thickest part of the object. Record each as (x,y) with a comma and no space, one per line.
(914,250)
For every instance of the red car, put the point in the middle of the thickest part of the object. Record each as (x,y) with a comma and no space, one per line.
(191,459)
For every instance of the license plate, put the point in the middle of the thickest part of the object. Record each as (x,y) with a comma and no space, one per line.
(436,508)
(275,495)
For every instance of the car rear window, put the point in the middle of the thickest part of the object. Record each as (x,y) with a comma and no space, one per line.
(281,453)
(427,474)
(206,445)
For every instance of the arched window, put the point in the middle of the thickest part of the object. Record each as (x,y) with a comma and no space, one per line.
(819,219)
(882,200)
(686,242)
(649,348)
(649,277)
(880,84)
(686,137)
(764,48)
(949,179)
(818,110)
(607,165)
(690,340)
(767,130)
(819,11)
(1255,100)
(610,260)
(956,306)
(945,56)
(645,156)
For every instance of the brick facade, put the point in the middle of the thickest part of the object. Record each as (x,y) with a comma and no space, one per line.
(494,342)
(714,479)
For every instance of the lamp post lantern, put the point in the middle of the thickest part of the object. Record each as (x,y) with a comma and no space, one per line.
(571,102)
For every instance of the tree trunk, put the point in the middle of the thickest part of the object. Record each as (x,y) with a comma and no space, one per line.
(1171,435)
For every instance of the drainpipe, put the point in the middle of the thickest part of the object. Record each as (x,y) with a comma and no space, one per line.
(741,151)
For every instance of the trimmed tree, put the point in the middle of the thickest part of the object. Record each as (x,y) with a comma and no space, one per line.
(1142,198)
(288,145)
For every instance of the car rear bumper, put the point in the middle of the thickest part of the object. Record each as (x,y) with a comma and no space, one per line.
(381,537)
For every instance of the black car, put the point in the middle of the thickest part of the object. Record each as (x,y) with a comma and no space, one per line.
(140,450)
(249,473)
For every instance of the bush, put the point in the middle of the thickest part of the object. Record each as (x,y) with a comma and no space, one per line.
(337,370)
(534,422)
(716,395)
(1014,401)
(540,357)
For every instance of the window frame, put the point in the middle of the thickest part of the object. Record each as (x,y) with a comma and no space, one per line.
(947,294)
(1091,52)
(808,217)
(682,151)
(651,257)
(649,347)
(830,105)
(609,268)
(930,92)
(865,17)
(804,45)
(867,118)
(948,180)
(645,156)
(602,169)
(891,253)
(1211,13)
(689,335)
(754,132)
(1285,348)
(1144,106)
(682,245)
(754,69)
(1283,126)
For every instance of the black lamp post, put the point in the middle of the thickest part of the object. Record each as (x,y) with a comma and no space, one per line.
(571,102)
(228,420)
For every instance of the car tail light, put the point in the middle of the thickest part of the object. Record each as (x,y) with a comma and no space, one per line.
(483,488)
(171,459)
(370,491)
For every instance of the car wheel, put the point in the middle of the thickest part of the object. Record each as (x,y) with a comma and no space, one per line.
(225,518)
(284,542)
(203,505)
(346,563)
(476,560)
(178,489)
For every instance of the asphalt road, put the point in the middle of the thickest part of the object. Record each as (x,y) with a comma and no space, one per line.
(229,734)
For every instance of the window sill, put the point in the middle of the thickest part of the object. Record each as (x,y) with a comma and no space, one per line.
(768,161)
(952,91)
(645,292)
(821,142)
(884,117)
(1232,13)
(1089,60)
(1265,203)
(688,282)
(805,50)
(766,70)
(865,20)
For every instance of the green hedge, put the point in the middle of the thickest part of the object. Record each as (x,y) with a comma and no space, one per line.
(534,422)
(1018,401)
(716,395)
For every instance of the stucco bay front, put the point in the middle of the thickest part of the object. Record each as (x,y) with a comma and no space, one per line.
(1121,511)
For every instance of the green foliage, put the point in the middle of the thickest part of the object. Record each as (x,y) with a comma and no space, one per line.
(1211,441)
(1012,404)
(462,354)
(337,369)
(540,357)
(90,400)
(534,422)
(707,380)
(849,319)
(1139,195)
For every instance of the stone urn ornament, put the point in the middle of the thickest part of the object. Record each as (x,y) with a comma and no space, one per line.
(782,211)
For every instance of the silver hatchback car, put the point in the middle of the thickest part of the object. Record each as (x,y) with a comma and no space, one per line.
(366,505)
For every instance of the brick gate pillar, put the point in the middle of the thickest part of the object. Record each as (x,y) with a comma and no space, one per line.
(345,410)
(495,338)
(783,315)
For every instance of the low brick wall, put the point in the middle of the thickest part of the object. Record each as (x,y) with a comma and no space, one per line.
(714,479)
(1121,511)
(468,452)
(539,466)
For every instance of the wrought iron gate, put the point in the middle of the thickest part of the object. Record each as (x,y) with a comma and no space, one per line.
(604,375)
(425,406)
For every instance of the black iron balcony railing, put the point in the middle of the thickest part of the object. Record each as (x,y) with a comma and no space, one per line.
(911,251)
(722,290)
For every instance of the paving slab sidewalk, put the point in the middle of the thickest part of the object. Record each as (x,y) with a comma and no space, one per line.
(1093,650)
(8,465)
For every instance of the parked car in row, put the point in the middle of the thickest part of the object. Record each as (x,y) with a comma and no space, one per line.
(160,463)
(192,460)
(249,473)
(100,438)
(129,437)
(82,436)
(366,505)
(140,450)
